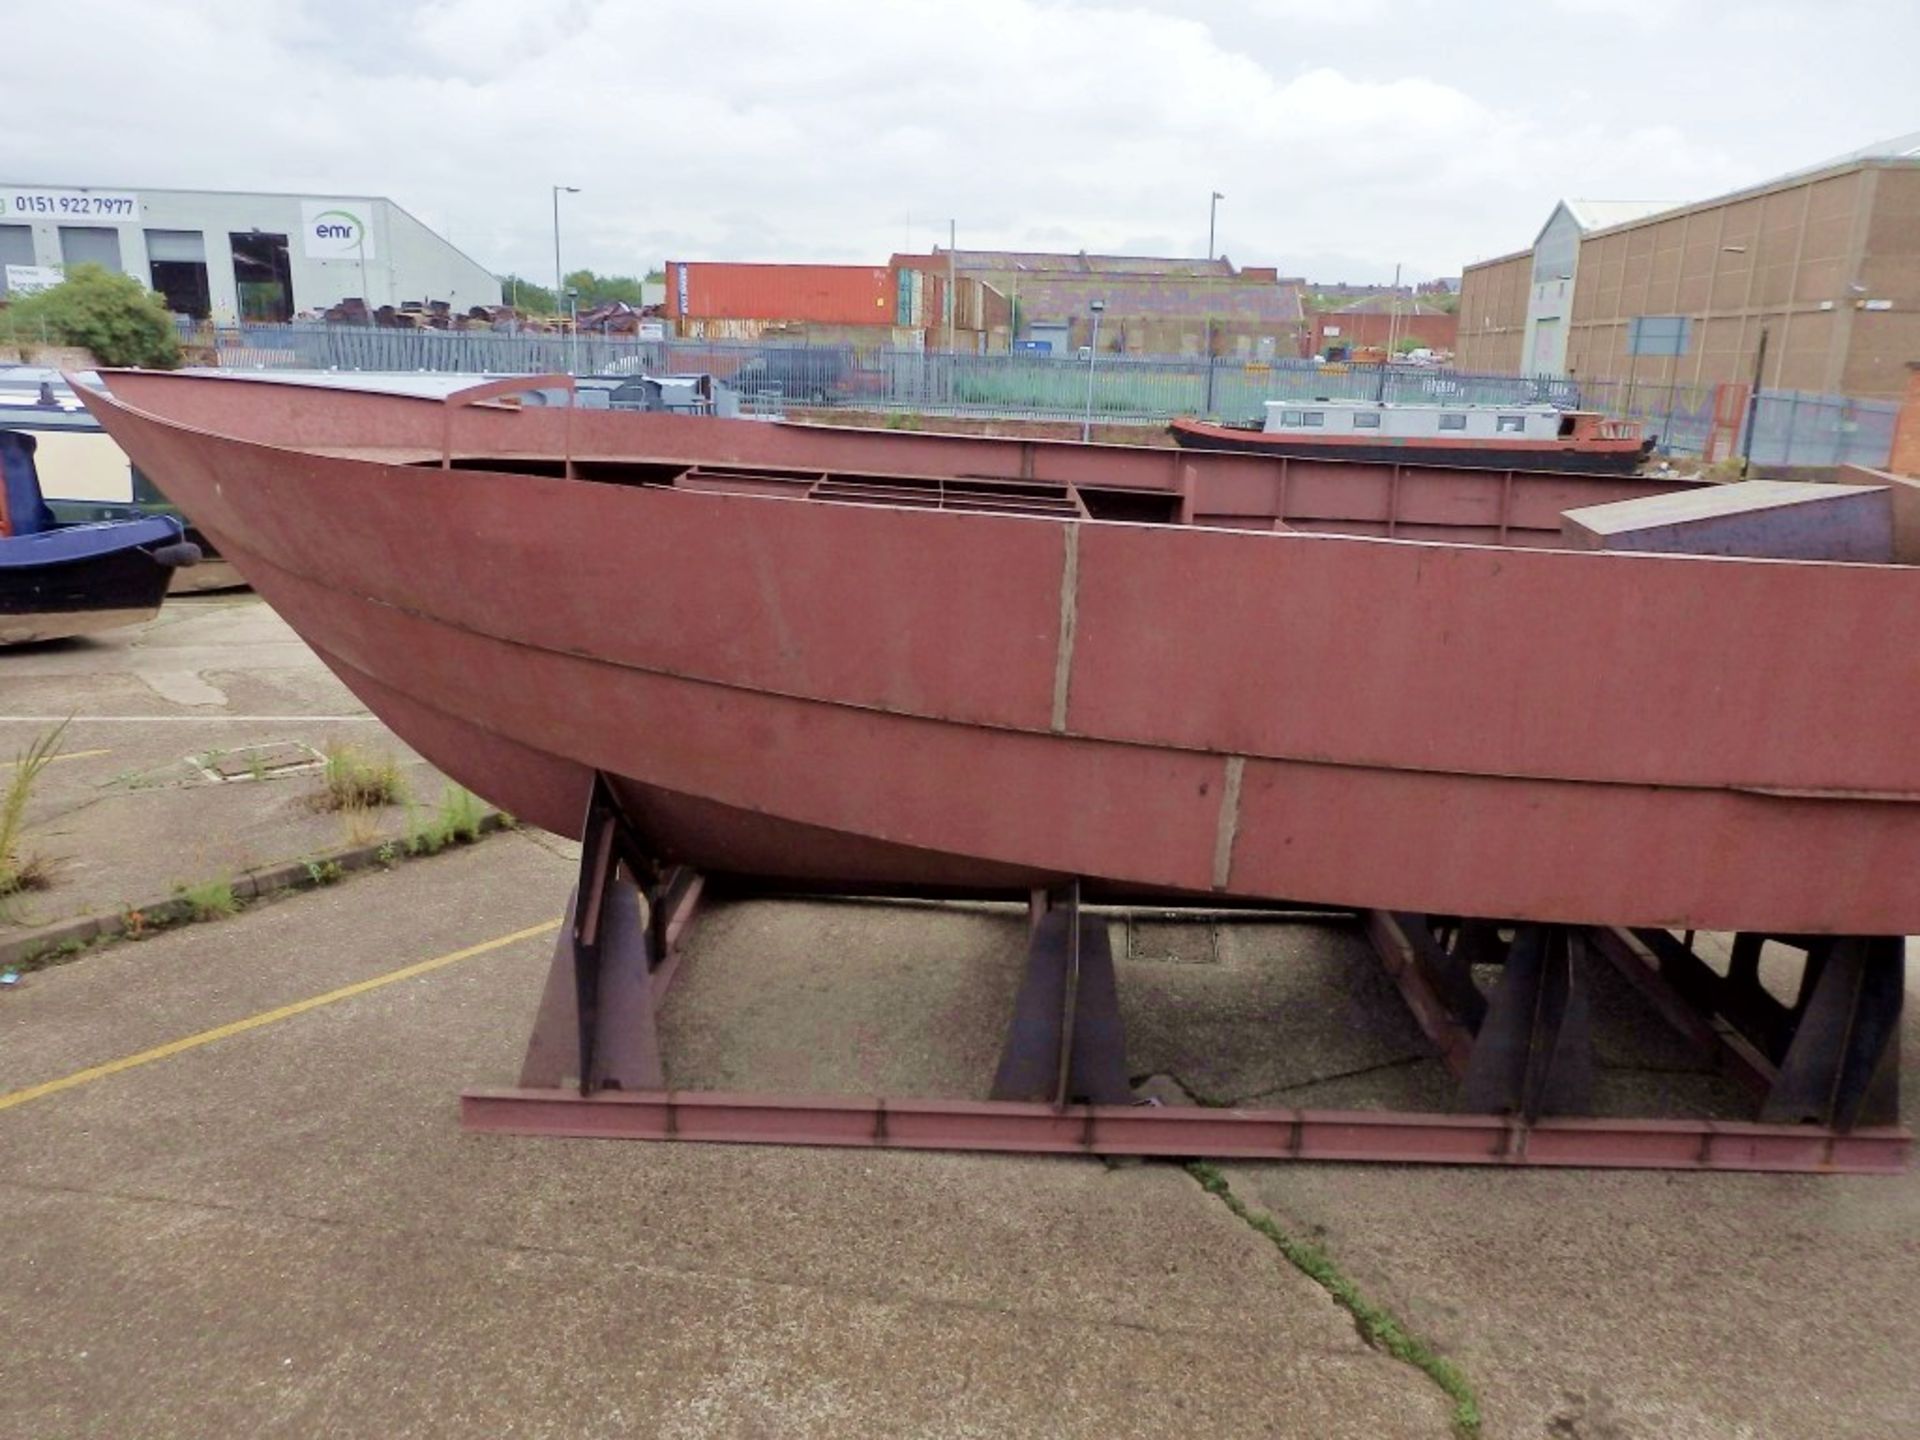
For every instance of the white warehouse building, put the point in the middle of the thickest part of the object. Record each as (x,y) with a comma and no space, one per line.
(234,255)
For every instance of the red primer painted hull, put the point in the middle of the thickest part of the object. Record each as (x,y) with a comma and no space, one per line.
(886,694)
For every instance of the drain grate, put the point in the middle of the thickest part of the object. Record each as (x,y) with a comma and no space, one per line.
(258,762)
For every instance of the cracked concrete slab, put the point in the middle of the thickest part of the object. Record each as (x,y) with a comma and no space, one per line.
(1640,1306)
(1285,1004)
(285,1232)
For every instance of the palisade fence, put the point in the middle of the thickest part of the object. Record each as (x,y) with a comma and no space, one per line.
(1791,428)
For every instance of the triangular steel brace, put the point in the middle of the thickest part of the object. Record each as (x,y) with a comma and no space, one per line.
(1533,1053)
(596,1027)
(1065,1043)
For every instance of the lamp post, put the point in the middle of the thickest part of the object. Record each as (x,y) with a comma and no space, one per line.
(573,331)
(1093,355)
(559,278)
(1212,203)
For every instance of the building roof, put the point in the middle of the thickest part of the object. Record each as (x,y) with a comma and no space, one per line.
(1145,297)
(1605,214)
(1387,305)
(1895,148)
(1082,263)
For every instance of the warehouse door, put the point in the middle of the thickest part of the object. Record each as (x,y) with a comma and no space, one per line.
(177,261)
(1051,334)
(90,245)
(16,248)
(263,276)
(1547,355)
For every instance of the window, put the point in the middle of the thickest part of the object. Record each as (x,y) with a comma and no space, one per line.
(1365,420)
(1453,422)
(1313,417)
(1657,335)
(1511,425)
(1292,417)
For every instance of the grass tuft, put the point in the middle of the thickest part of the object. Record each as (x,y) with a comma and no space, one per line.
(1379,1326)
(18,871)
(210,899)
(456,822)
(355,780)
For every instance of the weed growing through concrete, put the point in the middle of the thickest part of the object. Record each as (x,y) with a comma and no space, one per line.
(457,821)
(355,780)
(1378,1326)
(210,899)
(19,871)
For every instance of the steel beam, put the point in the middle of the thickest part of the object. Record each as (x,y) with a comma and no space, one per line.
(1323,1135)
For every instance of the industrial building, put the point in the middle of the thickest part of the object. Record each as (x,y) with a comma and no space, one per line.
(233,255)
(1153,306)
(901,305)
(1825,262)
(1385,322)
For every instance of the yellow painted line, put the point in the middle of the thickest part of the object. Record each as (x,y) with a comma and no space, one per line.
(266,1017)
(70,755)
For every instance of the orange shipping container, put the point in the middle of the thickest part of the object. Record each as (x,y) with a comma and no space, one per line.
(817,294)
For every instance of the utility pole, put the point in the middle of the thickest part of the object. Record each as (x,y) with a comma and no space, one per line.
(952,297)
(1211,204)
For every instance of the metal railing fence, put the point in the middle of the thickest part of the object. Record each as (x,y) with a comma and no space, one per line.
(1791,427)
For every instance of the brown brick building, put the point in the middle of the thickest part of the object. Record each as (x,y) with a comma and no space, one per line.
(1154,305)
(1382,321)
(1825,260)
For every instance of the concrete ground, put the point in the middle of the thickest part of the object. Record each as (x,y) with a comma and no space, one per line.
(189,756)
(274,1226)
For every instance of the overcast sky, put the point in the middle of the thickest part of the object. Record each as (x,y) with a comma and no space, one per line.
(1347,135)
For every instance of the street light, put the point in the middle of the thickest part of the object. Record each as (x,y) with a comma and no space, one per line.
(573,331)
(559,279)
(1093,354)
(1213,202)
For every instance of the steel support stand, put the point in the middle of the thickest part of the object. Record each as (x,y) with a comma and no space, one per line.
(593,1066)
(596,1028)
(1065,1043)
(1840,1066)
(1533,1054)
(1832,1057)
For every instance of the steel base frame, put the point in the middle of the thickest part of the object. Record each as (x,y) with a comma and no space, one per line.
(593,1066)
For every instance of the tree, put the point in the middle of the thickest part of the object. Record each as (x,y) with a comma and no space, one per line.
(599,289)
(114,316)
(526,296)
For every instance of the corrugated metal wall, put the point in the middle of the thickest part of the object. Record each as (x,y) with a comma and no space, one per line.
(816,294)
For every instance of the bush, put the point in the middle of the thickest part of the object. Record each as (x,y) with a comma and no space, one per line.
(115,316)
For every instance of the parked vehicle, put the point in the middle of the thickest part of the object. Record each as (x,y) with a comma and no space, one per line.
(59,580)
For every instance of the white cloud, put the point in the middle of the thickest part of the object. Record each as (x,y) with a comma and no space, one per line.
(732,129)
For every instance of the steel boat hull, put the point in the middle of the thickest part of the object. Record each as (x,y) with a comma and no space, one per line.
(1599,457)
(895,694)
